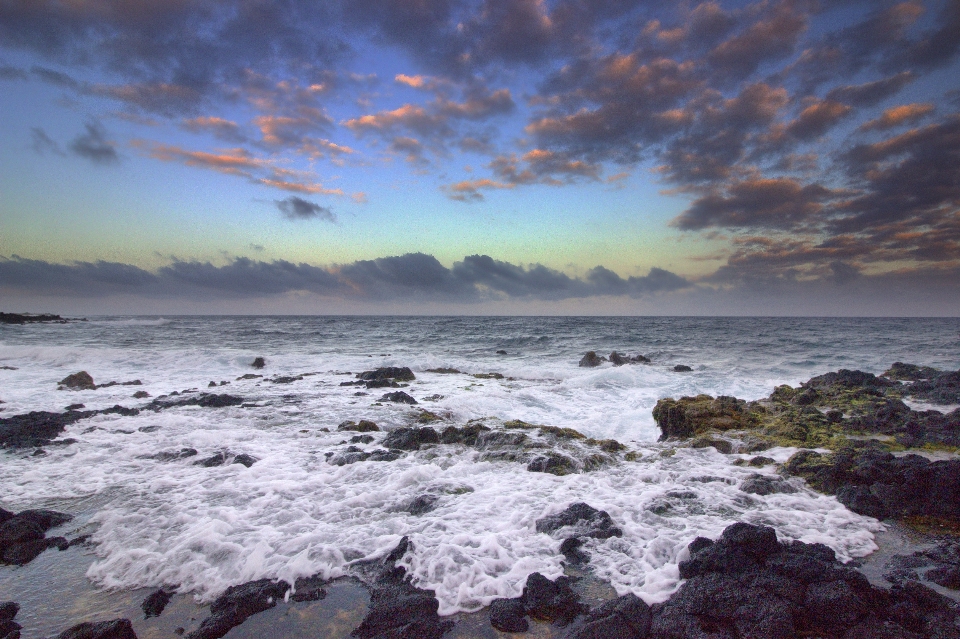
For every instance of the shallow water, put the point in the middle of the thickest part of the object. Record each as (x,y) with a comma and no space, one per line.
(293,514)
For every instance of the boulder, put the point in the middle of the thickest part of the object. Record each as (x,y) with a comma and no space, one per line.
(363,426)
(398,397)
(77,381)
(682,368)
(766,485)
(258,362)
(553,463)
(586,520)
(591,360)
(204,400)
(689,416)
(245,459)
(396,373)
(411,438)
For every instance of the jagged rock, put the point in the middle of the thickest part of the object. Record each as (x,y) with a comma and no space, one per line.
(245,459)
(258,362)
(237,604)
(352,455)
(875,483)
(398,397)
(411,438)
(204,400)
(766,485)
(77,381)
(398,610)
(689,416)
(155,602)
(397,373)
(746,585)
(942,389)
(553,601)
(586,520)
(114,629)
(9,629)
(309,589)
(682,368)
(626,617)
(910,372)
(45,519)
(363,426)
(570,548)
(508,615)
(591,360)
(553,463)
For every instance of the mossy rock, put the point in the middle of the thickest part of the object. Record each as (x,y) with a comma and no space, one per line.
(689,416)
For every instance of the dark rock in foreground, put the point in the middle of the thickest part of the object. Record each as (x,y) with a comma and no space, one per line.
(591,360)
(543,600)
(398,610)
(238,603)
(9,629)
(22,536)
(155,602)
(875,483)
(626,617)
(746,585)
(114,629)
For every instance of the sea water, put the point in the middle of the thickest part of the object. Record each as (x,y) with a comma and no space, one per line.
(292,513)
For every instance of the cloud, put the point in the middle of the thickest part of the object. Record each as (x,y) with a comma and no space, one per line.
(895,116)
(413,276)
(94,145)
(41,142)
(220,128)
(295,208)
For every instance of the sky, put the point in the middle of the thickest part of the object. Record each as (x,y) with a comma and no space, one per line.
(596,157)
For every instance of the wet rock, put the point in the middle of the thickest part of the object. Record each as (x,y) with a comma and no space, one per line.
(9,629)
(309,589)
(508,615)
(682,368)
(422,504)
(237,604)
(619,360)
(22,553)
(721,445)
(286,379)
(380,383)
(570,548)
(626,617)
(155,602)
(488,375)
(466,435)
(363,426)
(553,601)
(75,407)
(397,373)
(847,379)
(397,608)
(748,585)
(500,439)
(765,485)
(77,381)
(361,439)
(114,629)
(942,389)
(553,463)
(141,395)
(45,519)
(18,530)
(171,455)
(586,521)
(217,459)
(910,372)
(411,438)
(501,352)
(875,483)
(444,371)
(258,362)
(245,459)
(591,360)
(398,397)
(204,400)
(689,416)
(249,376)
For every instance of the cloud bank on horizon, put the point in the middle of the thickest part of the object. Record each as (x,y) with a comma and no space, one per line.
(812,147)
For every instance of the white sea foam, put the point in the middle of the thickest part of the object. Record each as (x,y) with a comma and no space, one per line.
(293,514)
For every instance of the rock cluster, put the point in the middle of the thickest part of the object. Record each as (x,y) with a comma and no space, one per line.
(22,535)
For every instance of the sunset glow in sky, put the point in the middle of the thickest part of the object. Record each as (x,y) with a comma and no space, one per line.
(492,156)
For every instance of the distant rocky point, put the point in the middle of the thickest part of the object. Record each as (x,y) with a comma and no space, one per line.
(35,318)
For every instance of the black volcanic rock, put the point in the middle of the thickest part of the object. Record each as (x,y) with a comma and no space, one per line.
(398,397)
(155,602)
(114,629)
(399,610)
(942,389)
(411,438)
(509,615)
(204,400)
(396,373)
(237,604)
(585,519)
(591,360)
(258,362)
(682,368)
(626,617)
(9,629)
(30,318)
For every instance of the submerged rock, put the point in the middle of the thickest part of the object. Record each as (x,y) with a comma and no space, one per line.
(245,460)
(553,463)
(114,629)
(682,368)
(77,381)
(765,485)
(586,520)
(591,360)
(411,438)
(204,400)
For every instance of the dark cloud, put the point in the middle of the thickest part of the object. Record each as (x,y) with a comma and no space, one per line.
(772,37)
(42,143)
(295,208)
(12,73)
(871,93)
(94,145)
(414,276)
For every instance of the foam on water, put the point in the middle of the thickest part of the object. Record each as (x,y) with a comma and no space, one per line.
(293,514)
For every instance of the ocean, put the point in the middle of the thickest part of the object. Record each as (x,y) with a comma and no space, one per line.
(170,522)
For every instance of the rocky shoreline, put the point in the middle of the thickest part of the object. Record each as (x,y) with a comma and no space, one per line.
(858,438)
